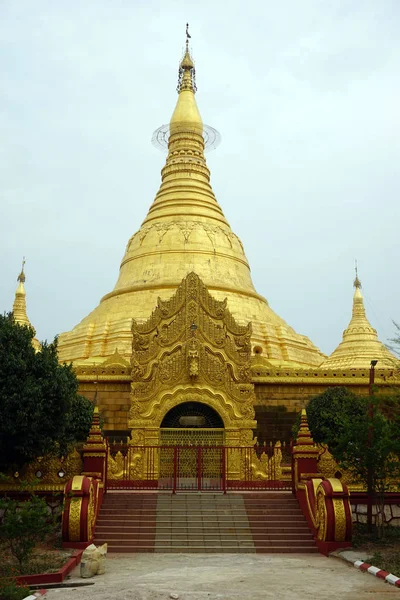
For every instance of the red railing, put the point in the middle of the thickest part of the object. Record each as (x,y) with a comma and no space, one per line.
(199,468)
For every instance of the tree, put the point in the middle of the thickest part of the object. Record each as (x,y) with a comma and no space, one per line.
(396,340)
(22,526)
(329,412)
(369,448)
(363,435)
(78,420)
(39,408)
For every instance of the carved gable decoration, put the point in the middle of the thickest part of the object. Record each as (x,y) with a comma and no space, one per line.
(191,341)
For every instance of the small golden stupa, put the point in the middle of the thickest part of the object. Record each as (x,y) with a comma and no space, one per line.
(184,231)
(360,342)
(19,306)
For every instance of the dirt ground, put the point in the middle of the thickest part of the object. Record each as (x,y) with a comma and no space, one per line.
(226,577)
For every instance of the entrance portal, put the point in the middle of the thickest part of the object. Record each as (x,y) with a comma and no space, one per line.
(197,432)
(192,424)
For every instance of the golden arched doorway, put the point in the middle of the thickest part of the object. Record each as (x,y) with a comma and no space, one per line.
(192,424)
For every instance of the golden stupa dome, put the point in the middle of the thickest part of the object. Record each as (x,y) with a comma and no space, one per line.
(185,230)
(360,344)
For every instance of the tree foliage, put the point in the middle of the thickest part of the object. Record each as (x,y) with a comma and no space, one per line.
(363,435)
(329,412)
(23,525)
(370,444)
(395,347)
(40,411)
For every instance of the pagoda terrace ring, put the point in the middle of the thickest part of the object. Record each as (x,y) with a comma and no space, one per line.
(212,138)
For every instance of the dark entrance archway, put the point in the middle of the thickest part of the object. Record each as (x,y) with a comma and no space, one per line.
(192,424)
(192,415)
(197,433)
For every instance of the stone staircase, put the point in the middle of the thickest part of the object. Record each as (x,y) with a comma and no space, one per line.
(249,522)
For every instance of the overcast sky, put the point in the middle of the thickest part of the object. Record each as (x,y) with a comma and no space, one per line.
(305,96)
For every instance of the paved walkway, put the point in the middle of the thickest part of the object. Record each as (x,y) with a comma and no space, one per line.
(227,577)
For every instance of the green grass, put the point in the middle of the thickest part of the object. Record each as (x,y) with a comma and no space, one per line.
(383,552)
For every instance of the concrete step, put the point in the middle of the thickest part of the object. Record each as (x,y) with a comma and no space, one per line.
(300,527)
(205,549)
(206,533)
(203,523)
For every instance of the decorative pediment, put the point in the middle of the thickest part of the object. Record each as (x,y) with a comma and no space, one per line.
(191,340)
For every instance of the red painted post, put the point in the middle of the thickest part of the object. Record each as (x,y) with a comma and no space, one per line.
(175,469)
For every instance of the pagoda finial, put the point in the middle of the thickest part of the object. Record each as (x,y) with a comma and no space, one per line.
(21,276)
(19,306)
(357,282)
(187,72)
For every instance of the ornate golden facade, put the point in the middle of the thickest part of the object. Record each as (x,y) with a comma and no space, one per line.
(191,350)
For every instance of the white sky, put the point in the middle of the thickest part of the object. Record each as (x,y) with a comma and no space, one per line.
(305,95)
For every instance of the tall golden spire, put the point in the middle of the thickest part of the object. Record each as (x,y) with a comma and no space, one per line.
(185,189)
(19,306)
(360,342)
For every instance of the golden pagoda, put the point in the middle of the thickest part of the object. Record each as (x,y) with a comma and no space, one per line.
(360,342)
(19,306)
(185,272)
(184,231)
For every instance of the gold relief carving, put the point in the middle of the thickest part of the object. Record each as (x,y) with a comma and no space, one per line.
(137,437)
(73,464)
(115,465)
(260,467)
(135,462)
(265,467)
(321,515)
(193,356)
(340,519)
(7,487)
(326,463)
(90,513)
(98,454)
(246,438)
(277,460)
(134,412)
(330,468)
(50,465)
(191,349)
(194,437)
(74,525)
(114,365)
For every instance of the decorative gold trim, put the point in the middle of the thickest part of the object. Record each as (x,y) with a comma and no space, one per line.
(77,482)
(90,514)
(340,519)
(321,514)
(37,488)
(74,524)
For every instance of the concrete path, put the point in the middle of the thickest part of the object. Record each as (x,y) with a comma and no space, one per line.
(227,577)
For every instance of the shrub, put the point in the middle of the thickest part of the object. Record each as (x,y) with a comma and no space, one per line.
(23,525)
(11,590)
